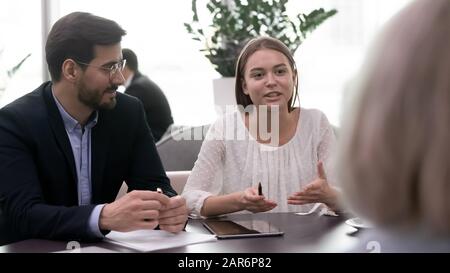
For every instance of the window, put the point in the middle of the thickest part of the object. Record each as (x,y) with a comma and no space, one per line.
(327,60)
(166,53)
(332,55)
(20,35)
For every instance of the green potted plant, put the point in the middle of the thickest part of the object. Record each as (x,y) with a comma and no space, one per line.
(234,22)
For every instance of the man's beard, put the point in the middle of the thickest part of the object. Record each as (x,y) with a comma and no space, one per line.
(93,98)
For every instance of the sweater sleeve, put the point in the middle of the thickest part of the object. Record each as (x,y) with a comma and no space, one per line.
(206,176)
(326,148)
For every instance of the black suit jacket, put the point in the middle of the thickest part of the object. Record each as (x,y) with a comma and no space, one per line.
(157,109)
(38,188)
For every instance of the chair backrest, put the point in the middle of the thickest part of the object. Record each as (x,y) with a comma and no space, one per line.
(179,149)
(177,181)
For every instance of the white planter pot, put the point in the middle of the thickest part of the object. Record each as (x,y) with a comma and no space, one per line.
(224,93)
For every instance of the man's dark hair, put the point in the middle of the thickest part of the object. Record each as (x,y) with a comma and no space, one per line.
(131,58)
(74,37)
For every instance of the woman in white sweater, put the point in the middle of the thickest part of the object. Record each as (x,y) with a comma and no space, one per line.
(285,149)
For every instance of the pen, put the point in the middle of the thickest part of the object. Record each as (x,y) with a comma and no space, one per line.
(158,190)
(260,189)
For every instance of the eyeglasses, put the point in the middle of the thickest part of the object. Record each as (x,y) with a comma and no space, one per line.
(113,69)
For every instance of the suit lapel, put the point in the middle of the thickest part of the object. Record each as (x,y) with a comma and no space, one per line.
(59,131)
(99,152)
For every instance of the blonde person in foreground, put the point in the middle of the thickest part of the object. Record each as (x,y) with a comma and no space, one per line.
(291,161)
(395,150)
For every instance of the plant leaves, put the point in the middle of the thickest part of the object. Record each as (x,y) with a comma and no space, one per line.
(235,22)
(13,70)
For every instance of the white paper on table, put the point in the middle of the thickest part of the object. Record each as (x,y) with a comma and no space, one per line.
(88,249)
(151,240)
(314,208)
(323,211)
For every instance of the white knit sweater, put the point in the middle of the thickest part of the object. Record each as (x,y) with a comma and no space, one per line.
(227,163)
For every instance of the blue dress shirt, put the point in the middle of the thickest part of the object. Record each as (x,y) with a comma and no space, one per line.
(80,141)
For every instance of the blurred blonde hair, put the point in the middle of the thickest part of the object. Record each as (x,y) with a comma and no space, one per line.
(395,152)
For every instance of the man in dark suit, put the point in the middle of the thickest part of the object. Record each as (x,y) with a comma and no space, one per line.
(157,109)
(66,147)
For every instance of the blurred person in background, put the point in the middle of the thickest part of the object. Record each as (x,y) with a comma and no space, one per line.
(395,153)
(156,106)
